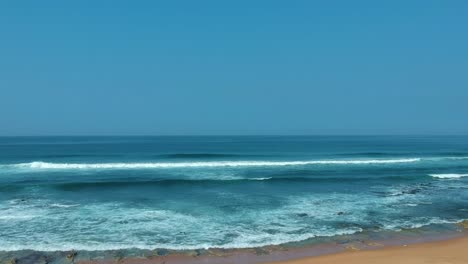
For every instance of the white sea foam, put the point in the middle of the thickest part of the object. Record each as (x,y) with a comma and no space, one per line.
(16,217)
(184,230)
(448,176)
(63,205)
(157,165)
(238,244)
(418,223)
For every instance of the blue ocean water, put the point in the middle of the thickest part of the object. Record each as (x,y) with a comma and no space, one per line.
(100,193)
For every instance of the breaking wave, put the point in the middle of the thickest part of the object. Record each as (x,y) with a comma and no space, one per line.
(157,165)
(448,175)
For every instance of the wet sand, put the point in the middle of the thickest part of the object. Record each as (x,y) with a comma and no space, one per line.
(452,251)
(415,246)
(449,251)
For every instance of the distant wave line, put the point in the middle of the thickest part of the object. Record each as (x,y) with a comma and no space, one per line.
(156,165)
(448,175)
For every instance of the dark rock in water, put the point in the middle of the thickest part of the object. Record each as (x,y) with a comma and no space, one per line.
(196,252)
(71,256)
(340,213)
(119,255)
(344,241)
(33,257)
(413,191)
(302,214)
(271,231)
(161,252)
(380,193)
(200,252)
(45,260)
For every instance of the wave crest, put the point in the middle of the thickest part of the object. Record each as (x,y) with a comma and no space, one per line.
(448,175)
(157,165)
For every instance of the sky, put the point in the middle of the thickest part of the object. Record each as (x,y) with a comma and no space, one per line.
(233,67)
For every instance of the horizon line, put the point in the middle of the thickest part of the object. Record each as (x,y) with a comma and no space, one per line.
(232,135)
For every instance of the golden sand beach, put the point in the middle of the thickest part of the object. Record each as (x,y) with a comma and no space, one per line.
(454,251)
(450,251)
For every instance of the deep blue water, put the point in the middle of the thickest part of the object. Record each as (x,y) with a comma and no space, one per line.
(97,193)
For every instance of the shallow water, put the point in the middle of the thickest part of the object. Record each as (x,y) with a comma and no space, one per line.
(101,193)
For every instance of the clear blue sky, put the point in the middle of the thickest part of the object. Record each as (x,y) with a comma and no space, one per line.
(233,67)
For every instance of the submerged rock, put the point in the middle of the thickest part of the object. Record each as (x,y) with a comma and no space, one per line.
(45,260)
(196,252)
(161,252)
(413,191)
(29,257)
(71,256)
(261,251)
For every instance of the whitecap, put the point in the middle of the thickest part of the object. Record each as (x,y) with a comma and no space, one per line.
(448,176)
(156,165)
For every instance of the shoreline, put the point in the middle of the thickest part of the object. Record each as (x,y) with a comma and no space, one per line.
(330,250)
(443,250)
(451,251)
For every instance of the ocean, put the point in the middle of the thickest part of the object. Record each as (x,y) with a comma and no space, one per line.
(192,192)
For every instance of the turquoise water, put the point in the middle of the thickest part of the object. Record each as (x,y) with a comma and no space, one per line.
(101,193)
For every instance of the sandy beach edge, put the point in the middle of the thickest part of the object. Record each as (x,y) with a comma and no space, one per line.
(407,247)
(452,251)
(446,251)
